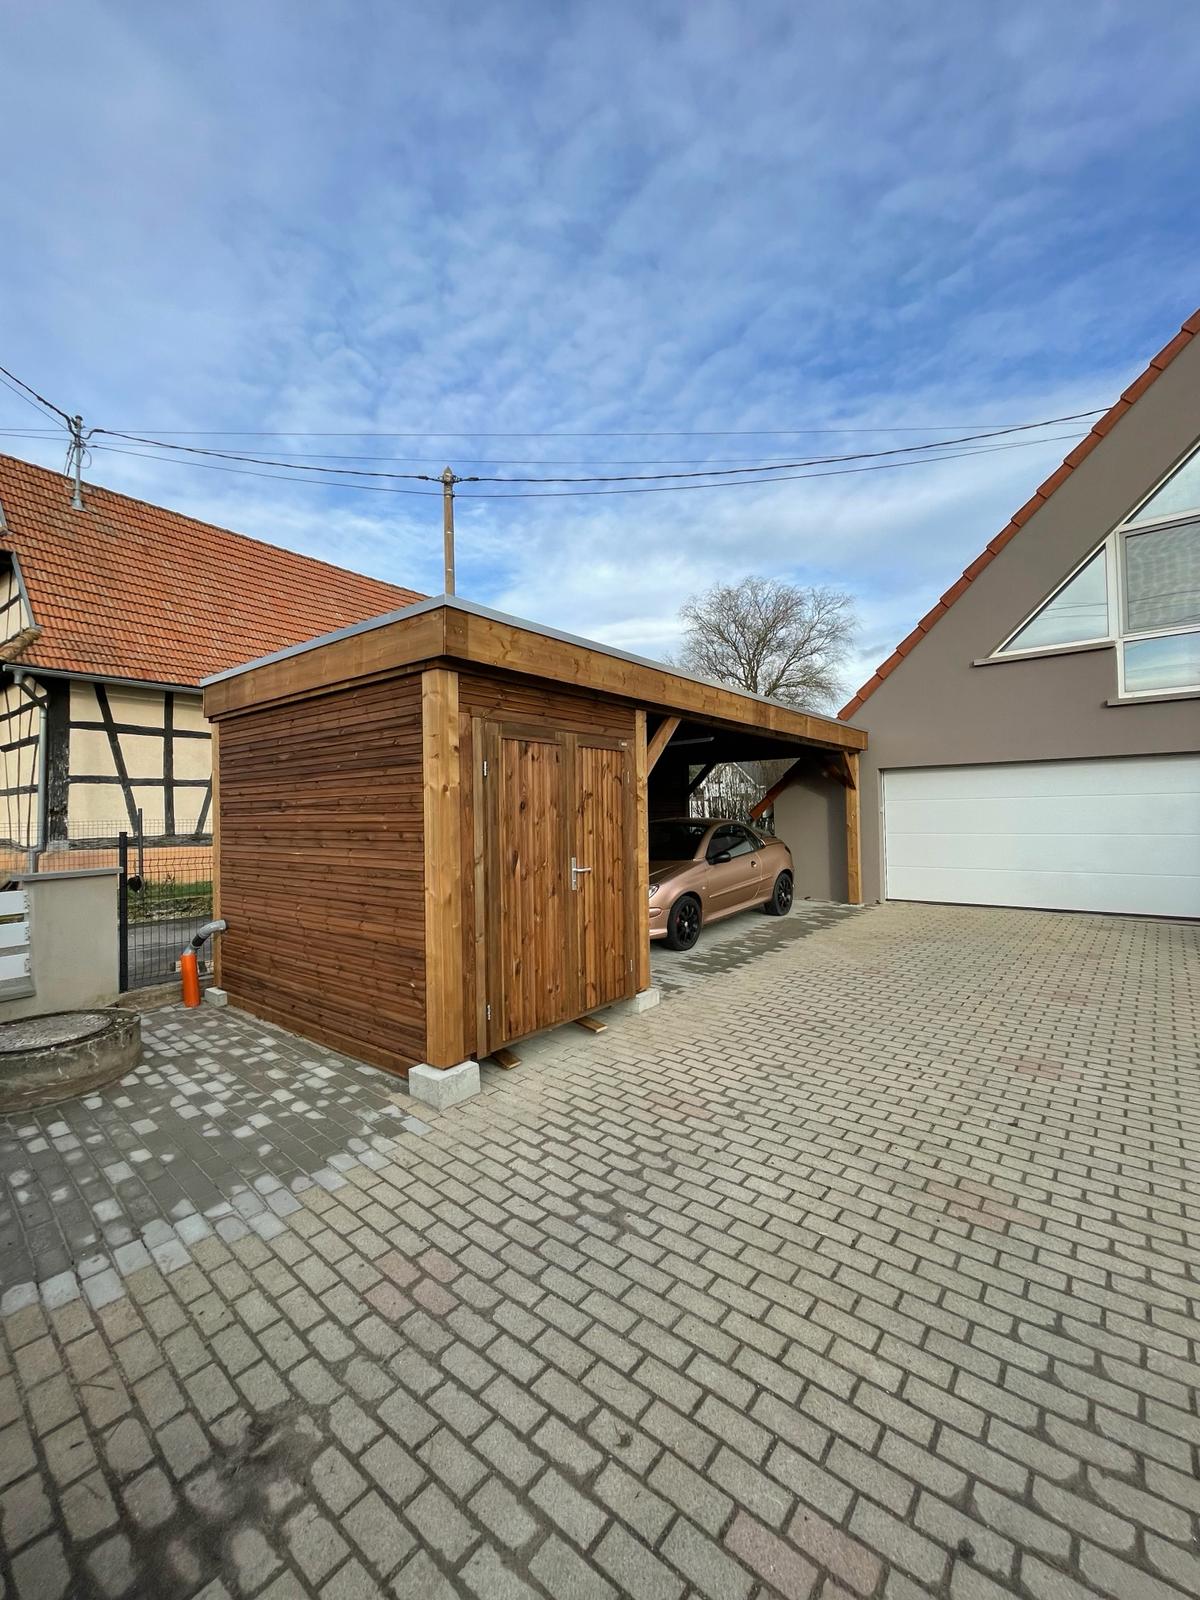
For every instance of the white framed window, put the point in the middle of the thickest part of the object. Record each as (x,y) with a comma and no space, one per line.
(1159,575)
(1138,591)
(1076,613)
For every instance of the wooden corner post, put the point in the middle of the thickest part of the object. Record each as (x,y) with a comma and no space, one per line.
(641,868)
(853,841)
(445,993)
(214,809)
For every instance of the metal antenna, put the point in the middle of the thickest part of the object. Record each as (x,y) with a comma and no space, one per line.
(76,459)
(448,482)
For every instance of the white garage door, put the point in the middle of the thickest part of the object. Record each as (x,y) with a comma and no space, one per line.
(1120,835)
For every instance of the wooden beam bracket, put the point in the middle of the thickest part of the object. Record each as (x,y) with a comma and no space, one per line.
(702,774)
(663,735)
(761,807)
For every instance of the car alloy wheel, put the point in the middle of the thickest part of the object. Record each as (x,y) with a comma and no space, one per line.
(780,902)
(683,925)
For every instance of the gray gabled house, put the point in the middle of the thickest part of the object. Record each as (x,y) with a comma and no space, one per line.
(1035,740)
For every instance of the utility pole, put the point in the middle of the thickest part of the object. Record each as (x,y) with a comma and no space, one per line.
(448,482)
(76,460)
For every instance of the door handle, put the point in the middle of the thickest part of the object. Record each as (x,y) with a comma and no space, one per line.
(576,870)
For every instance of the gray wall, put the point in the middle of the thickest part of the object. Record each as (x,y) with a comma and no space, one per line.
(810,818)
(73,939)
(937,709)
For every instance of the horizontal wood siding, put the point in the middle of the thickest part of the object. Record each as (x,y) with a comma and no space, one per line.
(322,868)
(514,699)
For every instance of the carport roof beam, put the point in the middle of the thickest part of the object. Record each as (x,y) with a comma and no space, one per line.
(449,629)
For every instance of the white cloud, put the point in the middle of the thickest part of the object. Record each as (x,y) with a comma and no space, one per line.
(577,219)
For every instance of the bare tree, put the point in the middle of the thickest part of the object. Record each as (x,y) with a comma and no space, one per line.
(773,638)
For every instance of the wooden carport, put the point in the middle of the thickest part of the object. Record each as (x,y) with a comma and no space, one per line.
(430,829)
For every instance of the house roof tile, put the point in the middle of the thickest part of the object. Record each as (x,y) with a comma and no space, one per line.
(1038,499)
(124,589)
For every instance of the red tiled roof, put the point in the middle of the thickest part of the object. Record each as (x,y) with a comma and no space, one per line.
(124,589)
(1056,479)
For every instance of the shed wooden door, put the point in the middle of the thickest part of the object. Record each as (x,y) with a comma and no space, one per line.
(601,845)
(528,895)
(556,826)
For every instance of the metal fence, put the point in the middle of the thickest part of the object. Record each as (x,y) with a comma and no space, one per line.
(165,889)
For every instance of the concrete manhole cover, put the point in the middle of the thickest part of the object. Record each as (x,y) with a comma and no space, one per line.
(63,1054)
(64,1027)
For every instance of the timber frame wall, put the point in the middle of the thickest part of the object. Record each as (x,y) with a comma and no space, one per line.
(347,844)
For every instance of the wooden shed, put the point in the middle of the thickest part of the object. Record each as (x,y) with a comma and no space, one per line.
(430,828)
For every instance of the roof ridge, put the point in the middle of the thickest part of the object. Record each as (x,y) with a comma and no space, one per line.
(1128,399)
(8,532)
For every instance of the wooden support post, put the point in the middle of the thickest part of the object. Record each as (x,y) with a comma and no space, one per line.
(445,1024)
(853,846)
(662,737)
(214,811)
(641,860)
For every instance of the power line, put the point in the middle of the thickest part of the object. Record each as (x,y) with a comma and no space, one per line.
(279,477)
(786,477)
(706,472)
(812,461)
(23,391)
(258,461)
(645,433)
(291,457)
(667,488)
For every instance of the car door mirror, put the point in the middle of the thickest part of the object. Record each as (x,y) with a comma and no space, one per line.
(720,857)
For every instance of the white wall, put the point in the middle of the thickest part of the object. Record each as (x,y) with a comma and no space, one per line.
(73,937)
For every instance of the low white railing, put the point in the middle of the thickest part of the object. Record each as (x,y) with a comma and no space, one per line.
(16,963)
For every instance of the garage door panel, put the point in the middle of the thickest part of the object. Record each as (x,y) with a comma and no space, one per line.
(1033,852)
(1017,779)
(1059,816)
(1120,835)
(1053,891)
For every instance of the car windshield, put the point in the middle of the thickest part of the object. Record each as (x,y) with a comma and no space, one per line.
(675,841)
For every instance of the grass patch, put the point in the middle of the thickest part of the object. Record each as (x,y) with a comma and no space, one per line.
(159,899)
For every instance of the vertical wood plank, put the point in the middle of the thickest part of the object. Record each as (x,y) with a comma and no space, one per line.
(493,986)
(215,809)
(603,839)
(641,856)
(853,841)
(476,933)
(445,1031)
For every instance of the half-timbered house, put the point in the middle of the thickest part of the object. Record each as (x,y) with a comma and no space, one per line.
(109,617)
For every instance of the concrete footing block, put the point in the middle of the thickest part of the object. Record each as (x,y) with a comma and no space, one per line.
(443,1086)
(636,1003)
(215,997)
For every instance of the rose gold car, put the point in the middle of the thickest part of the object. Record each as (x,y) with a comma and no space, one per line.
(703,869)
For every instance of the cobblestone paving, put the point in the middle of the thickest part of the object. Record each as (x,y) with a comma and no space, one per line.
(739,942)
(867,1269)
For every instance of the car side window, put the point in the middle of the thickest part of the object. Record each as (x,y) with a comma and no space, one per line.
(742,842)
(730,841)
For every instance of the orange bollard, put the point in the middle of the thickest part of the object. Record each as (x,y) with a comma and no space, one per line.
(189,975)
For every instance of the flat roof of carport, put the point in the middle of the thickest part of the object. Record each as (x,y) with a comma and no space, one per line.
(450,629)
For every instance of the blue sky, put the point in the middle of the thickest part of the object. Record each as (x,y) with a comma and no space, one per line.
(542,220)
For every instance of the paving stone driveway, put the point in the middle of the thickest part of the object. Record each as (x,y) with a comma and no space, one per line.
(867,1269)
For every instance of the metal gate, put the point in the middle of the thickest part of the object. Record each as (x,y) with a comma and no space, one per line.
(164,894)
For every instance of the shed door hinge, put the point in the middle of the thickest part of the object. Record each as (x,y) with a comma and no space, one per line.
(488,1011)
(485,766)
